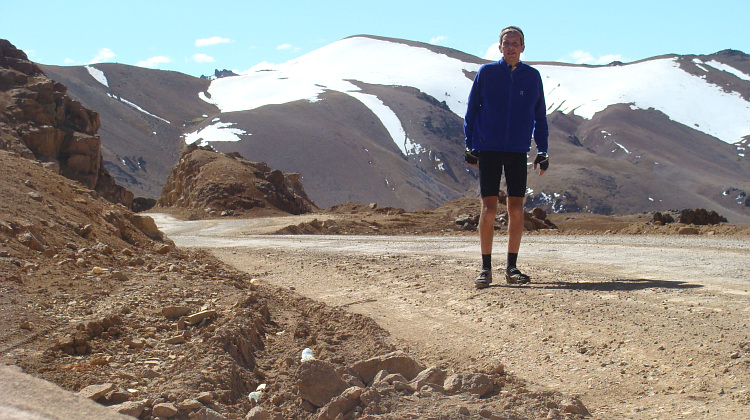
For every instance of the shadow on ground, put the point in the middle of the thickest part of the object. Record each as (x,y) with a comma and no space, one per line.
(621,284)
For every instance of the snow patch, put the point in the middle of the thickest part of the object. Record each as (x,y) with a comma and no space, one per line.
(729,69)
(218,131)
(121,99)
(98,75)
(659,84)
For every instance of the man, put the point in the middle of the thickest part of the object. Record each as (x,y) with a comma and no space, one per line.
(506,107)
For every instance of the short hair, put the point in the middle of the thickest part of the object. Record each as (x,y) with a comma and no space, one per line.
(510,29)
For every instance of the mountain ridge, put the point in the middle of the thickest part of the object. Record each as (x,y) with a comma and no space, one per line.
(394,136)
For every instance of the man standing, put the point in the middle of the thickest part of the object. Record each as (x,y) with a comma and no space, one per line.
(506,108)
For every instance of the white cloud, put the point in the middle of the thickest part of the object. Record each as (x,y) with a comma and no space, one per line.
(585,57)
(284,47)
(104,54)
(69,61)
(153,62)
(438,39)
(203,58)
(203,42)
(493,52)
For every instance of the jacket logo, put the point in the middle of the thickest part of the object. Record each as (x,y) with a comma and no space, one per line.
(521,93)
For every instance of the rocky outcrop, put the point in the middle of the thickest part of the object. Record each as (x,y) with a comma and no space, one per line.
(227,183)
(39,121)
(689,217)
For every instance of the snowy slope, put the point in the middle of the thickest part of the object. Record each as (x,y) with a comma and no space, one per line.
(332,67)
(659,84)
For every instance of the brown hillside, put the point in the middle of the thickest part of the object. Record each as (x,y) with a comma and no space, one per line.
(37,119)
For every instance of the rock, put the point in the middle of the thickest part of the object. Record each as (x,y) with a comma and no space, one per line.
(396,362)
(35,196)
(164,249)
(257,413)
(318,382)
(204,397)
(539,213)
(574,406)
(147,225)
(135,343)
(31,241)
(178,339)
(200,316)
(433,375)
(164,410)
(175,312)
(118,275)
(119,397)
(206,413)
(473,383)
(94,392)
(341,404)
(189,405)
(130,408)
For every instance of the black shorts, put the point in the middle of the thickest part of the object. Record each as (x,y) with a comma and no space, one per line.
(491,168)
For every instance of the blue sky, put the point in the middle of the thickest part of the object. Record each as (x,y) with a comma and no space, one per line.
(195,37)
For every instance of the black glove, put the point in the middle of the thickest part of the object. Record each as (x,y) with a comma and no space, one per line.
(471,157)
(542,159)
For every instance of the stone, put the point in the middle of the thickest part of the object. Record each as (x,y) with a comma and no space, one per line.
(257,413)
(175,312)
(477,383)
(205,397)
(341,405)
(118,275)
(318,382)
(189,405)
(178,339)
(130,408)
(200,316)
(574,406)
(206,413)
(31,241)
(395,362)
(94,392)
(164,410)
(147,225)
(432,375)
(135,343)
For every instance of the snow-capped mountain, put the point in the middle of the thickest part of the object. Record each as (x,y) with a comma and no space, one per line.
(372,119)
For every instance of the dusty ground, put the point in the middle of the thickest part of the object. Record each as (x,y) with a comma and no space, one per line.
(638,326)
(646,326)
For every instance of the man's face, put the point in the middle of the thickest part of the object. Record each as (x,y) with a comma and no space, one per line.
(511,46)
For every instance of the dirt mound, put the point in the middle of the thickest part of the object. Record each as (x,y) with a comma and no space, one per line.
(228,184)
(454,217)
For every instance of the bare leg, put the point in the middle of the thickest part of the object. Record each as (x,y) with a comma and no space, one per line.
(515,223)
(487,224)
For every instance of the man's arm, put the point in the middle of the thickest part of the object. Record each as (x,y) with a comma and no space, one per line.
(472,110)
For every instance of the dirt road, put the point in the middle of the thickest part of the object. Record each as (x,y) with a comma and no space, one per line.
(638,326)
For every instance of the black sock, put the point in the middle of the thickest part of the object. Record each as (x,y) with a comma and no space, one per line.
(512,259)
(487,261)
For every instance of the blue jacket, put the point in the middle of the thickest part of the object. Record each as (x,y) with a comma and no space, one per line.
(505,109)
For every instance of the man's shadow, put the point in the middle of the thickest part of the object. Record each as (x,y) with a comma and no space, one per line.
(606,286)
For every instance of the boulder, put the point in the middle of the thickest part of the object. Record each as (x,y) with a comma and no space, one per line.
(318,382)
(396,362)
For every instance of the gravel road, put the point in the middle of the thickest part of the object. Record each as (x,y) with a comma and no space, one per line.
(638,326)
